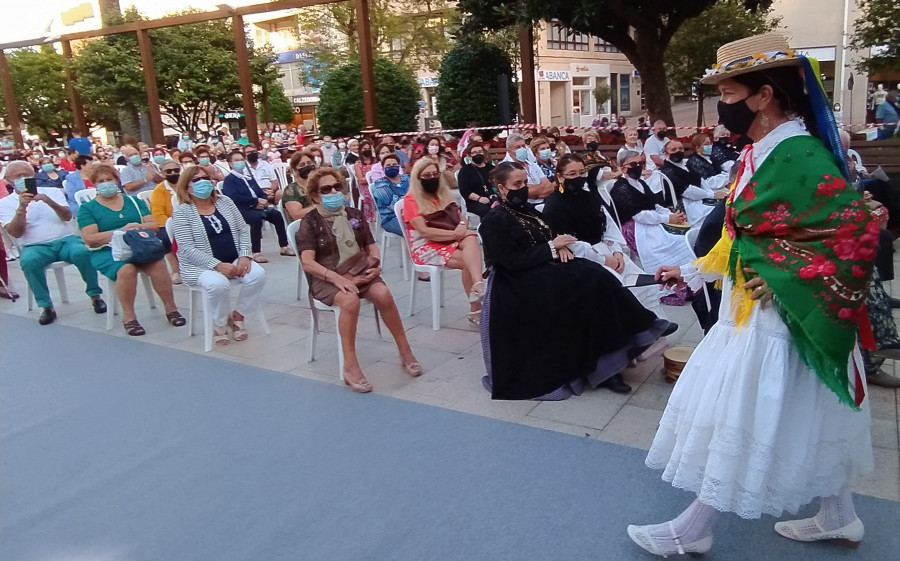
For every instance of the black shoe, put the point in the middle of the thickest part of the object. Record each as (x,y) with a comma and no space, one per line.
(99,305)
(48,316)
(883,379)
(673,327)
(894,302)
(616,384)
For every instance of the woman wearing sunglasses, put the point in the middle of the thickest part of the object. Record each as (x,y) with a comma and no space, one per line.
(343,265)
(213,248)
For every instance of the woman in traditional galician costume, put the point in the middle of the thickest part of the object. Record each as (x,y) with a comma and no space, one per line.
(770,411)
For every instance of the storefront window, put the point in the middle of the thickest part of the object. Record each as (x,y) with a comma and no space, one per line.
(581,101)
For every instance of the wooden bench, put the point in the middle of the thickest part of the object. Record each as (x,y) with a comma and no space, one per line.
(884,153)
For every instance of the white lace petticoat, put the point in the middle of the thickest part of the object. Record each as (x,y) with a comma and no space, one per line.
(749,427)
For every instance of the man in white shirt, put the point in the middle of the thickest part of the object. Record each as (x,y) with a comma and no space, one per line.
(40,223)
(261,170)
(654,146)
(538,184)
(328,150)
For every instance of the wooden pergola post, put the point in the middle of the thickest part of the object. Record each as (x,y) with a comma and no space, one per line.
(156,128)
(529,101)
(243,63)
(367,65)
(9,97)
(74,96)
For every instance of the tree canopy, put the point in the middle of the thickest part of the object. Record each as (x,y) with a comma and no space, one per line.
(464,96)
(195,65)
(878,29)
(39,85)
(640,30)
(341,105)
(408,32)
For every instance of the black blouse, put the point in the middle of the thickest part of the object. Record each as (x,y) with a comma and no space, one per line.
(681,179)
(702,167)
(629,201)
(578,213)
(474,179)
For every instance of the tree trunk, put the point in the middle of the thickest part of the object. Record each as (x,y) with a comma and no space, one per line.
(699,107)
(649,63)
(267,117)
(106,8)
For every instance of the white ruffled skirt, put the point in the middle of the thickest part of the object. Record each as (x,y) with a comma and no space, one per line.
(750,428)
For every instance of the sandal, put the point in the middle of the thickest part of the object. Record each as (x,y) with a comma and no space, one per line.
(238,331)
(476,295)
(475,318)
(287,252)
(260,258)
(134,328)
(414,369)
(220,338)
(176,319)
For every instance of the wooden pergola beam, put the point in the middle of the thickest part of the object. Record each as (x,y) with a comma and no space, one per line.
(12,108)
(74,96)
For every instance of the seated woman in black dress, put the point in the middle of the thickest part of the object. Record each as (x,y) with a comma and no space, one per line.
(473,181)
(696,196)
(723,153)
(552,324)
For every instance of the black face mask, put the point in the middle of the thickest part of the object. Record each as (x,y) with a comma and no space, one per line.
(366,153)
(431,184)
(635,172)
(305,171)
(736,117)
(172,178)
(574,184)
(677,157)
(253,157)
(553,147)
(527,141)
(661,135)
(478,159)
(592,146)
(517,198)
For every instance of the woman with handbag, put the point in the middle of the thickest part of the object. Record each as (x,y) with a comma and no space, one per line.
(214,247)
(111,212)
(343,265)
(439,233)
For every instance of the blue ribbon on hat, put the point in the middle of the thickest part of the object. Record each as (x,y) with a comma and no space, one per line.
(821,108)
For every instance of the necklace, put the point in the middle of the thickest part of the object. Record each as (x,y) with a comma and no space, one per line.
(527,222)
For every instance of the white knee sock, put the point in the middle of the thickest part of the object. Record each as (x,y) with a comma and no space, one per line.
(694,524)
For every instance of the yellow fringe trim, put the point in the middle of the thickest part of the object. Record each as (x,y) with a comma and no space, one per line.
(716,262)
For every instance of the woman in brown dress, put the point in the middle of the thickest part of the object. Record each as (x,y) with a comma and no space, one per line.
(343,265)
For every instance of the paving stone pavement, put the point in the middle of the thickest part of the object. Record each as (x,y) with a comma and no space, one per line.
(451,358)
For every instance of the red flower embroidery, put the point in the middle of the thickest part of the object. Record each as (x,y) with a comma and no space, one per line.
(819,266)
(847,313)
(830,185)
(777,257)
(858,271)
(764,228)
(781,229)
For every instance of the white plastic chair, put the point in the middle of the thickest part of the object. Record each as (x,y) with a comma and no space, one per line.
(386,238)
(667,184)
(219,186)
(292,229)
(315,306)
(281,170)
(85,195)
(856,157)
(690,238)
(197,292)
(57,267)
(436,273)
(145,196)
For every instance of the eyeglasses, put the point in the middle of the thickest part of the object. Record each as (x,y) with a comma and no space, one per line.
(573,174)
(328,189)
(430,175)
(199,178)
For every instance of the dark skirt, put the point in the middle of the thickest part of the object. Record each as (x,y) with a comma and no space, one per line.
(550,332)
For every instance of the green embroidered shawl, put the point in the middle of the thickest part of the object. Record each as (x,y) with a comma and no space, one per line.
(810,237)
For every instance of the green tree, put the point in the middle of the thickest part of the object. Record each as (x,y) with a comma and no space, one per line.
(39,85)
(640,30)
(464,96)
(693,47)
(408,32)
(195,65)
(878,29)
(280,109)
(340,99)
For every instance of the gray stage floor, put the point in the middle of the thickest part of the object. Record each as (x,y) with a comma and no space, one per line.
(117,450)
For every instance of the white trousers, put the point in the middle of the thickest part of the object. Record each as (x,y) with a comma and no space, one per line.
(218,287)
